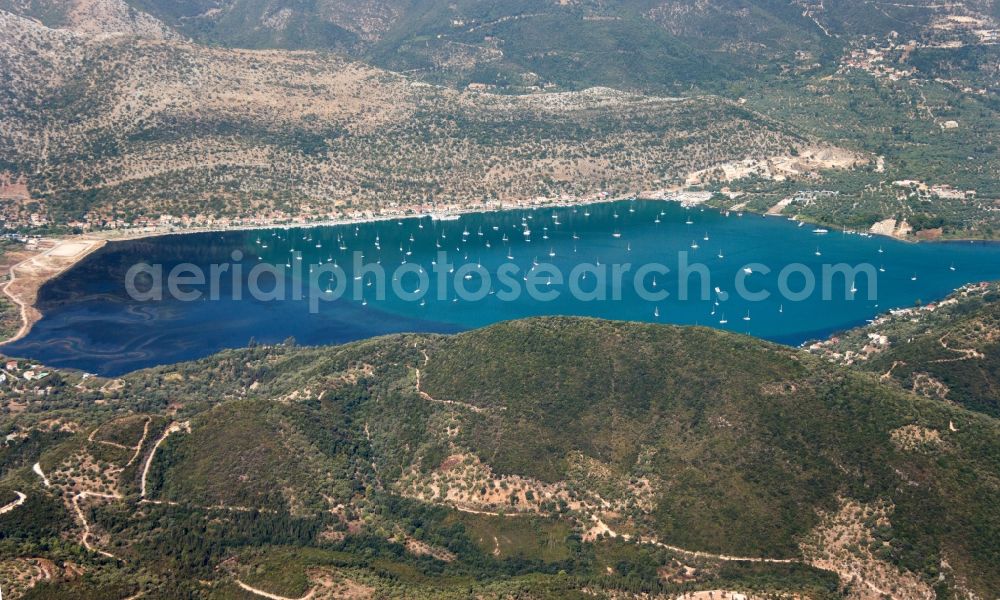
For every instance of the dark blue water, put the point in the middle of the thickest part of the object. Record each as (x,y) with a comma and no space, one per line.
(91,322)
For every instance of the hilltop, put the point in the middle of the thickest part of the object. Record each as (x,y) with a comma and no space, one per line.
(547,456)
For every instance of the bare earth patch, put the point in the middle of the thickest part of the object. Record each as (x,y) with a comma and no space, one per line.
(842,543)
(915,437)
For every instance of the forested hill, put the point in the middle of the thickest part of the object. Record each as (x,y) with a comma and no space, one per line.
(541,457)
(948,350)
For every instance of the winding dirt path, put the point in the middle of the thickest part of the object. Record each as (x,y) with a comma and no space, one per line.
(473,511)
(136,449)
(26,320)
(722,557)
(39,268)
(967,353)
(172,428)
(472,407)
(21,497)
(37,468)
(888,374)
(697,553)
(225,507)
(85,539)
(271,596)
(176,427)
(90,438)
(142,440)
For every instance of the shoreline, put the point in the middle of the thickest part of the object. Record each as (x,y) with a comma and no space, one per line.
(110,235)
(683,197)
(59,257)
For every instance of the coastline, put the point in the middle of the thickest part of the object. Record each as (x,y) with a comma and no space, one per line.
(148,232)
(684,197)
(57,255)
(25,278)
(62,253)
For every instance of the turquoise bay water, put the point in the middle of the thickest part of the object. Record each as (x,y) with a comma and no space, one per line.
(92,323)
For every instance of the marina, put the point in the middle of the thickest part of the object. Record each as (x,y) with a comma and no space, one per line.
(451,274)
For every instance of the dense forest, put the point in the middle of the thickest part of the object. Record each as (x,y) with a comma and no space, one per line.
(541,457)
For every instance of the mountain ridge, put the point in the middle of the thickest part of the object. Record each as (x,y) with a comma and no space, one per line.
(611,429)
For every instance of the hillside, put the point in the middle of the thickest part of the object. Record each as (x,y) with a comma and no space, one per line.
(949,350)
(868,116)
(117,131)
(645,44)
(545,456)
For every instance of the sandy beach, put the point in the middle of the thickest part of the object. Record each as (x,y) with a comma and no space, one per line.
(51,257)
(48,259)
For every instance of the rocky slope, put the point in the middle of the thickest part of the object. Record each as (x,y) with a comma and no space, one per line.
(119,129)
